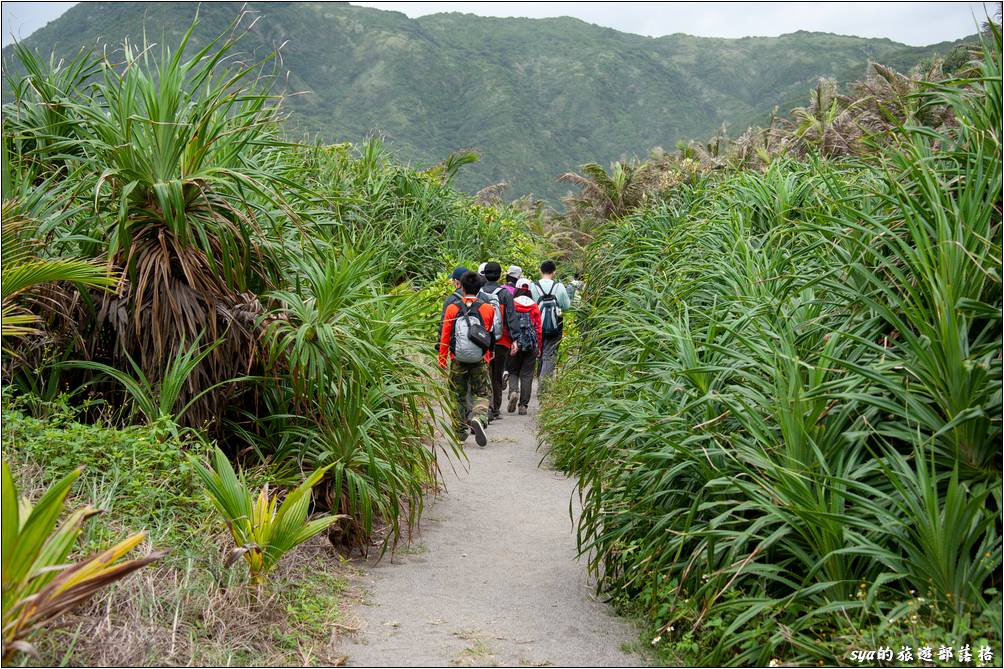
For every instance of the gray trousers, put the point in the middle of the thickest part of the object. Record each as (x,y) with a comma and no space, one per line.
(521,368)
(549,356)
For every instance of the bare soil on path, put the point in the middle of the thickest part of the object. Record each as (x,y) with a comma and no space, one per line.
(492,578)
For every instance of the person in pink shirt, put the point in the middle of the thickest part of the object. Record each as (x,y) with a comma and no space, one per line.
(512,275)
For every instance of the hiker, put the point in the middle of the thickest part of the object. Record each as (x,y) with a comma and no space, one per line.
(465,340)
(512,275)
(526,348)
(574,289)
(505,323)
(552,298)
(452,298)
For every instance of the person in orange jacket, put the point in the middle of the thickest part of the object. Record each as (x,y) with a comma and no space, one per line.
(468,360)
(526,347)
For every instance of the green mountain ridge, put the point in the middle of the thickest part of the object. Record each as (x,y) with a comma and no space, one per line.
(537,97)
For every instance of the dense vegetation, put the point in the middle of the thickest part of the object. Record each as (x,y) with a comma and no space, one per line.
(785,406)
(536,97)
(782,399)
(177,275)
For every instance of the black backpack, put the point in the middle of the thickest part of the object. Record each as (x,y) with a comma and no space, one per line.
(527,337)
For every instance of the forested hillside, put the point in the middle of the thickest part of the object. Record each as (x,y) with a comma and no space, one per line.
(535,97)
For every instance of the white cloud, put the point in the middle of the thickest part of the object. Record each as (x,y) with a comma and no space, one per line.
(21,19)
(914,23)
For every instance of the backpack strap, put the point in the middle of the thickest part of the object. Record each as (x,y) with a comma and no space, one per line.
(475,306)
(541,289)
(453,298)
(462,309)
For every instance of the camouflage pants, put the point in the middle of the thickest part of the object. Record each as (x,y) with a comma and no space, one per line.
(471,390)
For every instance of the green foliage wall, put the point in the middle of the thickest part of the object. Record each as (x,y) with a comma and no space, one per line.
(785,410)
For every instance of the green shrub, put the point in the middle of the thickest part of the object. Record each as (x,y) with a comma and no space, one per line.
(139,479)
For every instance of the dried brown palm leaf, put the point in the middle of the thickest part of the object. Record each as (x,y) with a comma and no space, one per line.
(491,194)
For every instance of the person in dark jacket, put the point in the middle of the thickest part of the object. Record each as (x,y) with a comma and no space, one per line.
(510,322)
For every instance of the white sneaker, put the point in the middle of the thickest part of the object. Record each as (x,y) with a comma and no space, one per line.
(478,430)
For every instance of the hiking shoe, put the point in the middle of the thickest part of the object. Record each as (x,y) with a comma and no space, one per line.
(505,378)
(522,411)
(513,398)
(479,432)
(496,414)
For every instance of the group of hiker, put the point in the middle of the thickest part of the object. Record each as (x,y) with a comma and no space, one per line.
(497,336)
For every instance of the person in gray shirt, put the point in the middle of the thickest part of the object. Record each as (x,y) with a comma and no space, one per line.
(552,298)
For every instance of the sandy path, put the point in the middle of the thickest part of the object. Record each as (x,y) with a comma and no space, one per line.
(493,578)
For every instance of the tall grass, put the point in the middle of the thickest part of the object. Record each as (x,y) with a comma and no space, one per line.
(785,410)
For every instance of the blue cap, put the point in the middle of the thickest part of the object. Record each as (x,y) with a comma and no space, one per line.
(458,272)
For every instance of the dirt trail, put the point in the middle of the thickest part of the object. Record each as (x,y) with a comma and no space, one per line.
(492,579)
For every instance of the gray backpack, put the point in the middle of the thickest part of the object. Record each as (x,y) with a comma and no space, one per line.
(492,298)
(470,338)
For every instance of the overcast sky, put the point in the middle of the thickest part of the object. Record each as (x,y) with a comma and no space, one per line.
(916,23)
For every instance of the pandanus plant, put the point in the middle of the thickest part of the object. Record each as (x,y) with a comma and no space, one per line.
(39,583)
(177,154)
(33,206)
(263,529)
(24,270)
